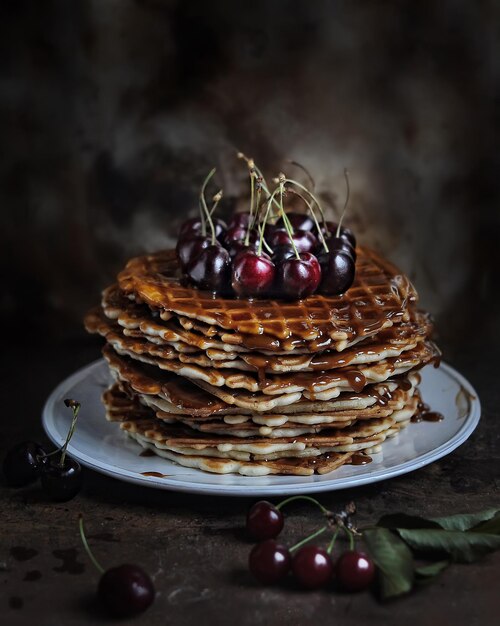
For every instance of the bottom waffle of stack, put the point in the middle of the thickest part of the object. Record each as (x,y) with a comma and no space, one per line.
(182,422)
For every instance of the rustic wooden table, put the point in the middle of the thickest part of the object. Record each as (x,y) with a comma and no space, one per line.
(195,546)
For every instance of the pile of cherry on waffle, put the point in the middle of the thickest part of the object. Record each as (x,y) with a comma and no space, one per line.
(268,252)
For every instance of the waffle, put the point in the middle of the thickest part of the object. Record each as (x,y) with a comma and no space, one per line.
(379,297)
(260,387)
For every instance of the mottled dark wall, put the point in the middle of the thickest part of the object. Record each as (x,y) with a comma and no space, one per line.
(112,111)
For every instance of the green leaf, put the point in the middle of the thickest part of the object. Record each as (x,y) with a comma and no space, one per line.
(492,526)
(401,520)
(465,521)
(432,569)
(462,547)
(393,559)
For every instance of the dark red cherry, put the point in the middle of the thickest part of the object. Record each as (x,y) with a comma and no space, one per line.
(348,235)
(194,226)
(239,246)
(338,243)
(235,233)
(345,233)
(299,221)
(338,273)
(281,253)
(298,278)
(312,567)
(189,248)
(125,590)
(239,219)
(304,240)
(355,570)
(211,269)
(252,274)
(22,463)
(61,483)
(269,562)
(264,521)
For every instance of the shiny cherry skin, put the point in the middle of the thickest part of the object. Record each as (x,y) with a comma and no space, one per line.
(239,246)
(269,561)
(312,567)
(337,243)
(189,248)
(355,570)
(298,278)
(345,233)
(299,221)
(22,463)
(338,273)
(252,274)
(264,521)
(304,240)
(61,483)
(281,253)
(194,226)
(237,234)
(211,269)
(239,219)
(125,590)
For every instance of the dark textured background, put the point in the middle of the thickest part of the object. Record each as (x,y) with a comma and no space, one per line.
(111,113)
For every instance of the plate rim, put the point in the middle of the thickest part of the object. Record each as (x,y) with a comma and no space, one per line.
(471,420)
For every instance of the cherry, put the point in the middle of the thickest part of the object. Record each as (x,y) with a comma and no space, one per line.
(211,269)
(252,274)
(298,278)
(312,567)
(269,561)
(281,253)
(338,272)
(299,221)
(194,226)
(355,570)
(22,463)
(126,590)
(345,233)
(304,240)
(264,520)
(337,243)
(61,482)
(189,248)
(239,246)
(237,234)
(239,219)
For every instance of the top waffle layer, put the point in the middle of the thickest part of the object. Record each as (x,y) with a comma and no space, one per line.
(379,297)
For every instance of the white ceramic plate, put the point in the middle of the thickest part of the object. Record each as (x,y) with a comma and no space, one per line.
(101,445)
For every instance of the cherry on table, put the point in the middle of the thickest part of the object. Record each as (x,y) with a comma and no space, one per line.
(338,272)
(194,226)
(22,463)
(299,221)
(281,253)
(335,244)
(264,520)
(304,240)
(355,570)
(298,278)
(269,561)
(312,567)
(126,590)
(211,269)
(252,274)
(61,482)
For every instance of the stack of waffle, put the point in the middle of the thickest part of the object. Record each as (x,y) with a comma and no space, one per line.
(261,387)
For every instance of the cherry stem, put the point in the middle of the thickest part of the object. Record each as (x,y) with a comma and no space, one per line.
(312,196)
(252,201)
(216,199)
(263,225)
(346,175)
(283,215)
(332,542)
(350,534)
(205,207)
(311,211)
(305,170)
(75,407)
(306,498)
(87,547)
(309,538)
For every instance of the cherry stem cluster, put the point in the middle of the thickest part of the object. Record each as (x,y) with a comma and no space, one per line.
(335,522)
(348,192)
(205,213)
